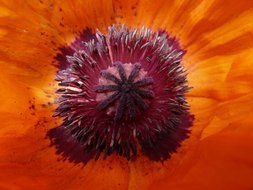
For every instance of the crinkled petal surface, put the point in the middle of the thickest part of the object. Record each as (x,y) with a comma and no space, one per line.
(218,37)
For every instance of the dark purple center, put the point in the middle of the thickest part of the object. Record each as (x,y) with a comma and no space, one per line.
(122,92)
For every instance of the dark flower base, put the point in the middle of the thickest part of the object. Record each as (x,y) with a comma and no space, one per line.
(121,91)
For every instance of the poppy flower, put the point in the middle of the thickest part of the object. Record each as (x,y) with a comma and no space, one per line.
(126,95)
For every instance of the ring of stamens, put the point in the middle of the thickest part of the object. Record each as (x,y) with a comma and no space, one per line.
(122,107)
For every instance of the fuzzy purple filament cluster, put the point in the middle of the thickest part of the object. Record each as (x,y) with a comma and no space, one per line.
(122,92)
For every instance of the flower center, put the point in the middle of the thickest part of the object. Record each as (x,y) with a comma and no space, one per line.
(122,92)
(125,89)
